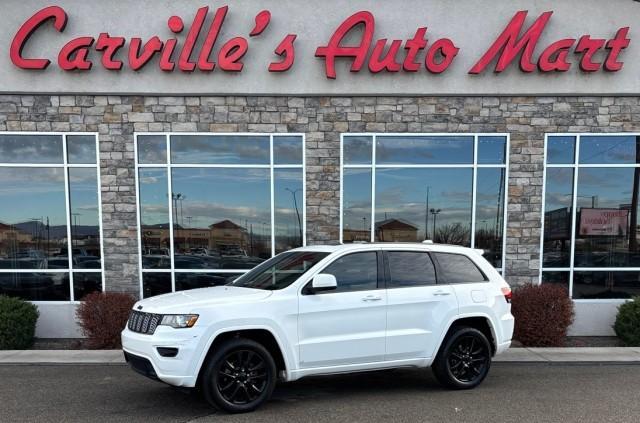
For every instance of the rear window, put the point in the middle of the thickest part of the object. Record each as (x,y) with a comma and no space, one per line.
(458,268)
(409,268)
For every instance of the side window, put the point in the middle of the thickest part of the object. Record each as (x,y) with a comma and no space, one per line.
(355,272)
(458,268)
(410,268)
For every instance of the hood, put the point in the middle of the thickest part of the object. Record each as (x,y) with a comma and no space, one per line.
(193,299)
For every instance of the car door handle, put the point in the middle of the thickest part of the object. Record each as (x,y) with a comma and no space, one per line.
(441,293)
(372,298)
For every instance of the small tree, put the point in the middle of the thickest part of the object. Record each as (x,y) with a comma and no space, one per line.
(627,325)
(17,323)
(543,314)
(102,317)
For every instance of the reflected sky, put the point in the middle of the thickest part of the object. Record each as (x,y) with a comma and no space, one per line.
(83,194)
(492,150)
(152,149)
(154,203)
(561,150)
(220,149)
(357,199)
(609,149)
(287,227)
(424,149)
(287,149)
(18,148)
(81,149)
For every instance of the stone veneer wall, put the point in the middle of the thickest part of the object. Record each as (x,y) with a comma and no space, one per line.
(322,119)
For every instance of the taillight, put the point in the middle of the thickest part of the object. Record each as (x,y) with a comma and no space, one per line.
(508,294)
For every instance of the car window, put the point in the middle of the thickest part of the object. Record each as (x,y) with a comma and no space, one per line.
(355,272)
(410,268)
(458,268)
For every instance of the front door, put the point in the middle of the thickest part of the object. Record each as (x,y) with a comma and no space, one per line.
(417,308)
(345,325)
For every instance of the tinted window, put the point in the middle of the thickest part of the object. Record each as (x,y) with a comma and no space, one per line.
(355,272)
(408,268)
(457,268)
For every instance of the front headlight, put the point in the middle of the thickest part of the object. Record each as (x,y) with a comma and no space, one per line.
(179,321)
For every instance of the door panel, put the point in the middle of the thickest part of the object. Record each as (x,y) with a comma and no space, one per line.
(347,325)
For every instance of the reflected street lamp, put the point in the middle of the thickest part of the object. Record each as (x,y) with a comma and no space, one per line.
(435,213)
(295,204)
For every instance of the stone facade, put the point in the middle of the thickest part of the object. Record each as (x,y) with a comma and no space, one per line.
(322,119)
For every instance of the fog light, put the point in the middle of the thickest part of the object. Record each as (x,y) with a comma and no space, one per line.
(167,351)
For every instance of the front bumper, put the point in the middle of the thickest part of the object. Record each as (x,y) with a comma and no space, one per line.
(141,352)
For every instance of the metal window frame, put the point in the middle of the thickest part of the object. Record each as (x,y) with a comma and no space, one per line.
(168,166)
(474,166)
(576,166)
(66,166)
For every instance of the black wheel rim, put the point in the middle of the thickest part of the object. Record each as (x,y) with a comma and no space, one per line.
(468,359)
(242,377)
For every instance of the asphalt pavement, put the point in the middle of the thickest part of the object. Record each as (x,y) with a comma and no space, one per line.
(512,393)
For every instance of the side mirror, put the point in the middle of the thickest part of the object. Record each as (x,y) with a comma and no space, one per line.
(324,282)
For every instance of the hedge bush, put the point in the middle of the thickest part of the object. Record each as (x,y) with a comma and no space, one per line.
(627,325)
(543,314)
(102,317)
(17,323)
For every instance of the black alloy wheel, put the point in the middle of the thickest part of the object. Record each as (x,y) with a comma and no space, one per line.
(468,359)
(242,377)
(463,360)
(239,376)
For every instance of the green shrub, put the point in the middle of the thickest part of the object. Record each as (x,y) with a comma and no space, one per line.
(17,323)
(627,325)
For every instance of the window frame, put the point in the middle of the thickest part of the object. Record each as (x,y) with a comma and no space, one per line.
(168,166)
(575,167)
(473,166)
(66,166)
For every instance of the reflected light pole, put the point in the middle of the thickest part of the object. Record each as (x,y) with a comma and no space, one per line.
(295,204)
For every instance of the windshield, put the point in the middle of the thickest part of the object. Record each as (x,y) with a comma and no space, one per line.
(280,271)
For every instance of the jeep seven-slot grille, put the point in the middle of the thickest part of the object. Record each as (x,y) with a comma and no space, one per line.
(143,322)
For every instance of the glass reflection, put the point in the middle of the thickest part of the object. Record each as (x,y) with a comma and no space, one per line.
(288,203)
(561,149)
(19,148)
(424,150)
(609,149)
(222,217)
(357,149)
(33,231)
(85,220)
(85,283)
(417,204)
(607,221)
(154,218)
(220,149)
(492,150)
(36,286)
(287,149)
(356,205)
(81,149)
(490,213)
(186,281)
(155,284)
(557,278)
(152,149)
(604,285)
(557,217)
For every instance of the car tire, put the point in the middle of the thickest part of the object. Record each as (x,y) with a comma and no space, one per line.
(464,359)
(239,376)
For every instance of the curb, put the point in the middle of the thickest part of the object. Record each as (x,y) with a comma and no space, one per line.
(584,355)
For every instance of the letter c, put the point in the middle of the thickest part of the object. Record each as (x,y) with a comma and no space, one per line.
(59,17)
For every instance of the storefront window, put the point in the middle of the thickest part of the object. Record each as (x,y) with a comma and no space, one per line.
(591,215)
(213,206)
(417,187)
(51,184)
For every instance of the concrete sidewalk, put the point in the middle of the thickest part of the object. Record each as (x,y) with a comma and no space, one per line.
(513,355)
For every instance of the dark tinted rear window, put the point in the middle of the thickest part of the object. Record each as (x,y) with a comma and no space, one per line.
(458,268)
(410,268)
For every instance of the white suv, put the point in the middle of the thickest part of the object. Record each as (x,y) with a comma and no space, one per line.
(326,309)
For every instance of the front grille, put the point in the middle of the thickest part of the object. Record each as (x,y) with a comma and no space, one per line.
(141,322)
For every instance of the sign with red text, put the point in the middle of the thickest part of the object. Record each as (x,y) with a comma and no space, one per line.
(600,222)
(411,47)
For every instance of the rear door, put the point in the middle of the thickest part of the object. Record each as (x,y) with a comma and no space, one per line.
(417,307)
(346,325)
